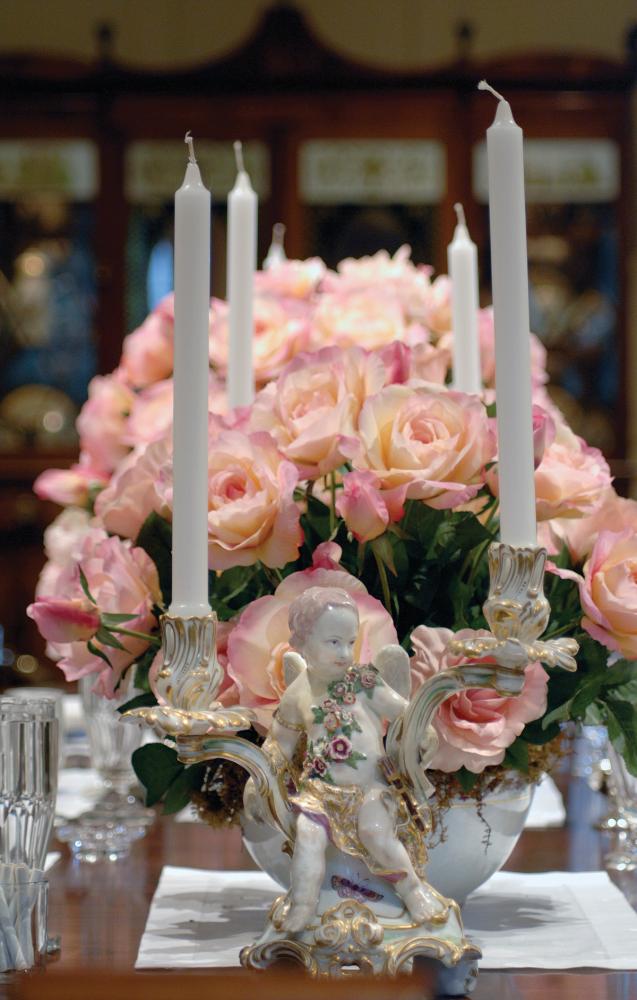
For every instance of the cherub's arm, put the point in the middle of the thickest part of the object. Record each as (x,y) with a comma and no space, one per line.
(391,695)
(387,703)
(286,736)
(287,724)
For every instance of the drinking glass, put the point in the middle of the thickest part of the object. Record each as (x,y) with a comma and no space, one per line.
(623,789)
(56,695)
(23,916)
(28,779)
(118,818)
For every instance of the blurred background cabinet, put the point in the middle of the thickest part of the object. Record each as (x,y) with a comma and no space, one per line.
(351,158)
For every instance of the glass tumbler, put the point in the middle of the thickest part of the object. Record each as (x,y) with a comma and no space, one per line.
(623,789)
(29,735)
(117,819)
(23,917)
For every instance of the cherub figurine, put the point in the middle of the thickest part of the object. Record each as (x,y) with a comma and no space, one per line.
(345,793)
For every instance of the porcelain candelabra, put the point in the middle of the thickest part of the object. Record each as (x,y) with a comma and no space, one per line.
(355,814)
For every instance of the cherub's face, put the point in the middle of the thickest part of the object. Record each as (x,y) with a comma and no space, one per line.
(329,648)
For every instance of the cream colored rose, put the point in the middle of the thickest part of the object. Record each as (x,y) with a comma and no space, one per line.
(312,409)
(434,443)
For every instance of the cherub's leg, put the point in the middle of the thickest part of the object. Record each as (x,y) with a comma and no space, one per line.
(376,829)
(308,869)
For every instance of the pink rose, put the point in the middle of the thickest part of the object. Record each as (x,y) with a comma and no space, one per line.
(136,489)
(486,334)
(543,433)
(291,279)
(122,579)
(430,363)
(58,620)
(608,592)
(398,276)
(151,415)
(438,306)
(147,354)
(261,636)
(102,421)
(280,332)
(349,698)
(365,509)
(433,444)
(571,479)
(313,407)
(69,486)
(367,319)
(615,513)
(62,544)
(368,678)
(252,515)
(474,727)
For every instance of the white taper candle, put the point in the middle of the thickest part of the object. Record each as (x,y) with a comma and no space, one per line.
(509,270)
(462,257)
(242,257)
(190,407)
(276,252)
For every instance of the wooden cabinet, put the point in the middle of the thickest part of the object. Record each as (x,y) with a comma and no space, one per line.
(349,157)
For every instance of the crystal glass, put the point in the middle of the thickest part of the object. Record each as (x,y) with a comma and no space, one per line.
(623,788)
(118,818)
(23,918)
(28,779)
(56,695)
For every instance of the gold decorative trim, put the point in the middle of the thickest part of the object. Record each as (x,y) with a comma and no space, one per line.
(517,612)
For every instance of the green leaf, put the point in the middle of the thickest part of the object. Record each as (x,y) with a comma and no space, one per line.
(108,639)
(622,674)
(534,732)
(157,767)
(422,521)
(96,651)
(155,538)
(139,701)
(142,669)
(466,779)
(179,793)
(595,715)
(517,756)
(353,759)
(109,619)
(85,587)
(491,410)
(622,730)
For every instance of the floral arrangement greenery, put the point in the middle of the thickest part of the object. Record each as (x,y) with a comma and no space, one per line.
(357,466)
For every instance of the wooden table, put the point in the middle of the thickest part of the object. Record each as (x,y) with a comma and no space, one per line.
(100,910)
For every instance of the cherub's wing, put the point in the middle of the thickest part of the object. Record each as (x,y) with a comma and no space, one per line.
(392,664)
(293,666)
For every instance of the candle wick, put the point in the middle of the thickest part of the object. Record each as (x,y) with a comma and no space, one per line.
(483,85)
(238,155)
(191,147)
(278,233)
(459,210)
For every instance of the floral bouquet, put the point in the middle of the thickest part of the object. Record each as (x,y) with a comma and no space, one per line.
(357,466)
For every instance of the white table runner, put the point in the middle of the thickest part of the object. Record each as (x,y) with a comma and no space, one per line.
(551,920)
